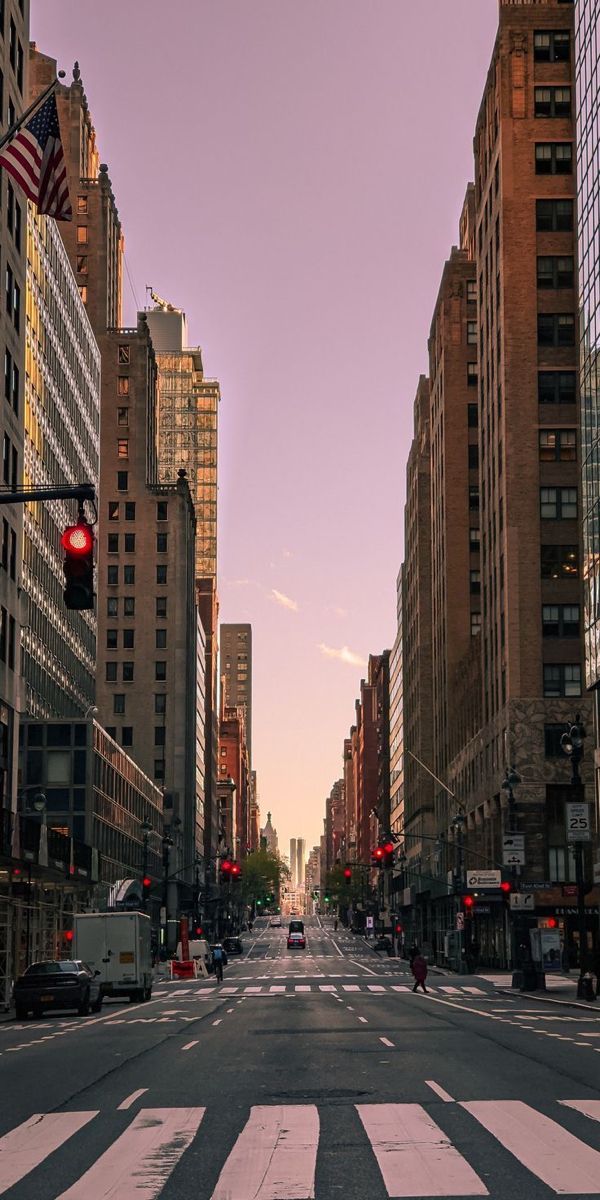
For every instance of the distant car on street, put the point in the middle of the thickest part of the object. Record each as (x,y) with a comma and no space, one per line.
(275,922)
(56,984)
(296,939)
(233,945)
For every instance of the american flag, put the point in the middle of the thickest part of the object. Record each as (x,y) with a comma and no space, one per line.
(35,158)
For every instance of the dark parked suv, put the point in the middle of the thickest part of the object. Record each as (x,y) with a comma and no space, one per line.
(233,945)
(55,984)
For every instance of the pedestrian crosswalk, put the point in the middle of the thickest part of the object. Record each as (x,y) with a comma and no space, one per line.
(276,989)
(276,1150)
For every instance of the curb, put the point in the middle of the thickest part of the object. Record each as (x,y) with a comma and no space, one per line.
(549,1000)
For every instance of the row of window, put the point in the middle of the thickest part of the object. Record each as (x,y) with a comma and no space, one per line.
(13,299)
(114,543)
(562,679)
(128,672)
(8,550)
(11,381)
(558,445)
(556,329)
(558,503)
(556,562)
(120,701)
(552,45)
(128,639)
(129,581)
(553,158)
(126,737)
(555,271)
(128,510)
(10,463)
(554,387)
(8,638)
(552,101)
(112,606)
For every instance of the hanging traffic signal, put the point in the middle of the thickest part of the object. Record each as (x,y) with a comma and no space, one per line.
(398,927)
(347,874)
(78,543)
(69,935)
(226,868)
(236,870)
(468,903)
(198,931)
(378,856)
(506,887)
(146,885)
(388,854)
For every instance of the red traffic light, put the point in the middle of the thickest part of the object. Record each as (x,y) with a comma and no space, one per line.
(379,852)
(146,881)
(78,539)
(552,923)
(388,847)
(226,866)
(198,931)
(468,901)
(399,927)
(69,935)
(347,873)
(506,887)
(236,869)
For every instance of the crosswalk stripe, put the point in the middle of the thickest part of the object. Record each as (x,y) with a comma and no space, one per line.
(277,988)
(351,987)
(26,1146)
(589,1108)
(275,1156)
(400,987)
(452,990)
(557,1157)
(252,991)
(139,1162)
(228,991)
(302,987)
(375,987)
(327,987)
(474,991)
(414,1155)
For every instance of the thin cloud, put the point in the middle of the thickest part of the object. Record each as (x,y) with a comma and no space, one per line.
(283,600)
(337,610)
(344,655)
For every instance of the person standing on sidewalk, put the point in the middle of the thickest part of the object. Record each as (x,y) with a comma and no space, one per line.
(418,967)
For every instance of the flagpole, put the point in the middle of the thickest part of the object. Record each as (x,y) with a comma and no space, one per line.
(32,107)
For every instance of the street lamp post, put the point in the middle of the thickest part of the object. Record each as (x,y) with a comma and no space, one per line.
(511,780)
(146,829)
(572,745)
(167,842)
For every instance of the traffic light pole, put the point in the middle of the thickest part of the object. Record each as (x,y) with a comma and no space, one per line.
(78,491)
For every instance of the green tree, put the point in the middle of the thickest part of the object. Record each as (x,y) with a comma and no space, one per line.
(343,892)
(262,875)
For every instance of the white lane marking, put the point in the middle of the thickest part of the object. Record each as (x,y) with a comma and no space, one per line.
(228,991)
(218,1022)
(386,1042)
(589,1108)
(400,987)
(474,991)
(275,1156)
(139,1162)
(560,1160)
(375,987)
(362,966)
(414,1156)
(229,1010)
(334,943)
(440,1091)
(30,1143)
(327,987)
(277,988)
(351,987)
(190,1045)
(131,1099)
(364,1020)
(252,991)
(303,987)
(452,990)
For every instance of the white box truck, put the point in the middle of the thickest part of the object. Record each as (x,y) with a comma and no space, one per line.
(117,944)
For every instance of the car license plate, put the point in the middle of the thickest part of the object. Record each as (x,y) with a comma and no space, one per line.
(46,999)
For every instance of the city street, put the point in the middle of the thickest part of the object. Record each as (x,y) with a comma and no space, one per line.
(306,1074)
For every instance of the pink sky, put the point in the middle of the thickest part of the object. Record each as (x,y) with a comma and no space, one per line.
(291,173)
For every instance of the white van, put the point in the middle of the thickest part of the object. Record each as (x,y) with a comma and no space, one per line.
(117,945)
(199,949)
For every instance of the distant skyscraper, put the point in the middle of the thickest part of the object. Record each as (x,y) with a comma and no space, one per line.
(300,863)
(236,672)
(293,864)
(269,835)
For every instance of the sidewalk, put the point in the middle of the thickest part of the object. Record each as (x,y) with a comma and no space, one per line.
(560,989)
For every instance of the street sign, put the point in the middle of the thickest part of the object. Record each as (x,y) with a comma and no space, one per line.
(513,850)
(578,821)
(460,921)
(370,922)
(522,900)
(484,879)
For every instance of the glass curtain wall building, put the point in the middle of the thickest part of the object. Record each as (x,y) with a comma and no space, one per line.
(62,446)
(587,54)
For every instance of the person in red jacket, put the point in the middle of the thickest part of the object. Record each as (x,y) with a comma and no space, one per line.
(419,970)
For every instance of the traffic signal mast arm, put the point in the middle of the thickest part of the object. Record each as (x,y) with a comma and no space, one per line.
(78,491)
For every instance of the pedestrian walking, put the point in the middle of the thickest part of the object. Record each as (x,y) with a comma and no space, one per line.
(218,962)
(418,967)
(412,954)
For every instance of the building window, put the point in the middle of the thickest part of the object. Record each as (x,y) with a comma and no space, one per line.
(472,416)
(552,736)
(112,543)
(560,620)
(123,385)
(162,510)
(127,735)
(161,639)
(129,606)
(553,102)
(122,481)
(474,540)
(112,606)
(160,671)
(474,498)
(119,703)
(113,510)
(159,735)
(111,639)
(130,510)
(559,562)
(161,606)
(551,45)
(159,768)
(554,216)
(128,639)
(558,504)
(472,374)
(561,863)
(111,672)
(127,672)
(557,387)
(161,543)
(471,333)
(129,576)
(123,356)
(558,445)
(160,702)
(82,235)
(161,573)
(475,624)
(553,158)
(475,582)
(122,416)
(112,576)
(555,272)
(122,447)
(556,329)
(562,679)
(473,456)
(130,543)
(82,206)
(471,291)
(82,288)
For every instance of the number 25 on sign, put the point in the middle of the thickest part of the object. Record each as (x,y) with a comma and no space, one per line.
(578,821)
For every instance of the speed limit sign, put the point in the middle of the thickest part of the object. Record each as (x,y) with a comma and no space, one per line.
(578,822)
